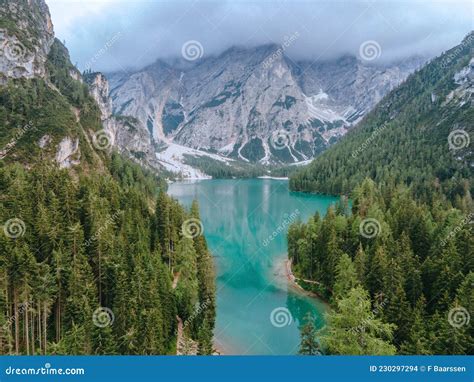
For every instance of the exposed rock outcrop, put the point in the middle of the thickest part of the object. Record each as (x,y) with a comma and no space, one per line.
(24,41)
(68,153)
(254,104)
(124,132)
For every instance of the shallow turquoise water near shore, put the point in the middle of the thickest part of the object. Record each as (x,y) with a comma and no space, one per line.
(245,223)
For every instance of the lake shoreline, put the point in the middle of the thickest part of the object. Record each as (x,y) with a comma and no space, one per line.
(239,217)
(294,285)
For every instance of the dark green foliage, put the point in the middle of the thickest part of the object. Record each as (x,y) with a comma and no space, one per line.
(222,170)
(309,343)
(404,139)
(172,116)
(286,103)
(88,244)
(237,168)
(411,285)
(29,110)
(89,272)
(253,150)
(61,73)
(417,267)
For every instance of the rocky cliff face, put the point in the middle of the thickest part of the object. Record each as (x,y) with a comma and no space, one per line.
(29,50)
(124,132)
(254,104)
(24,41)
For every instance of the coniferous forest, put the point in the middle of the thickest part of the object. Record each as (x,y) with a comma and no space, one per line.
(94,258)
(97,259)
(83,254)
(398,265)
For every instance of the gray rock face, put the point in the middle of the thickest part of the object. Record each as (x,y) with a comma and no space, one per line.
(68,153)
(464,90)
(254,104)
(124,132)
(99,90)
(24,57)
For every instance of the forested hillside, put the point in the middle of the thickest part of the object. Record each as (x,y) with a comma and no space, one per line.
(399,268)
(95,258)
(406,139)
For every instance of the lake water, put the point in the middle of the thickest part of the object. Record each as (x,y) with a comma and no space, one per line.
(245,224)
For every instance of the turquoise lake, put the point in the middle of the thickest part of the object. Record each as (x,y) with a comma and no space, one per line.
(245,223)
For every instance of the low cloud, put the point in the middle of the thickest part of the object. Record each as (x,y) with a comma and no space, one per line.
(326,29)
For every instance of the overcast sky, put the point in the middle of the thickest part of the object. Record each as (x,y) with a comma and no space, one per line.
(118,34)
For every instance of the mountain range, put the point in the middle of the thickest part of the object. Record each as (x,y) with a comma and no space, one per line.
(253,104)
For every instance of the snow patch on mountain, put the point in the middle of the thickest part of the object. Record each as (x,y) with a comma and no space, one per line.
(173,157)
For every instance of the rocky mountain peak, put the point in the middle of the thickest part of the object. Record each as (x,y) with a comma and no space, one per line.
(26,36)
(240,102)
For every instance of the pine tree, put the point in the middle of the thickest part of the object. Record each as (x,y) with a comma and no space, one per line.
(309,345)
(346,277)
(352,328)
